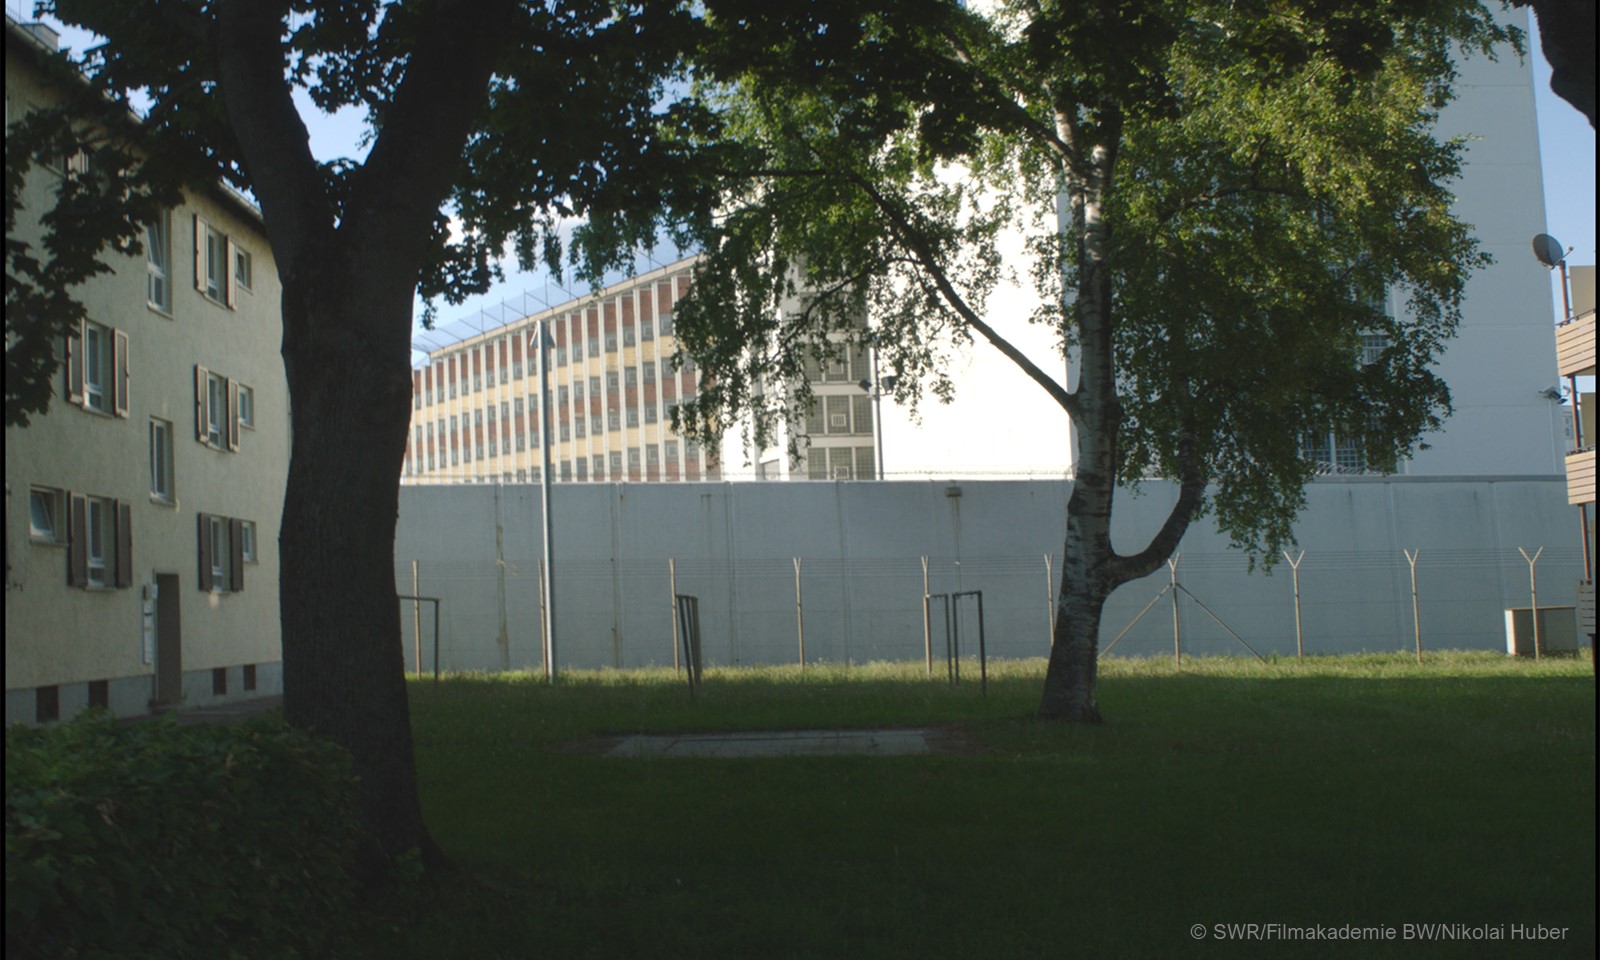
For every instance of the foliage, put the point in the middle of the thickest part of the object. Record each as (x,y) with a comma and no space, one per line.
(154,839)
(1242,183)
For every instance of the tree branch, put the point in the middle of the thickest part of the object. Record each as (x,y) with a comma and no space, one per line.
(1191,493)
(908,236)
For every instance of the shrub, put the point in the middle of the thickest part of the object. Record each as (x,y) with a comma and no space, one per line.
(159,840)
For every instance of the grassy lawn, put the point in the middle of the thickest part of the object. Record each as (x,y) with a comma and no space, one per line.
(1359,790)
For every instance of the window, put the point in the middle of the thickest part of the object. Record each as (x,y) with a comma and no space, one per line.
(505,410)
(213,263)
(599,466)
(491,415)
(666,324)
(247,407)
(596,424)
(247,549)
(583,469)
(577,351)
(594,346)
(494,447)
(633,416)
(219,681)
(216,405)
(477,382)
(222,557)
(652,454)
(633,456)
(97,369)
(158,263)
(650,372)
(517,406)
(627,335)
(614,420)
(611,343)
(44,515)
(578,427)
(671,450)
(594,386)
(612,382)
(99,542)
(161,460)
(651,414)
(243,268)
(477,418)
(647,330)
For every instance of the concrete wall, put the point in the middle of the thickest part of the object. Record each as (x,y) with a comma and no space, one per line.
(861,544)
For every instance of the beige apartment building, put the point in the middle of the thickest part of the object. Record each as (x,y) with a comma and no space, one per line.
(615,375)
(142,510)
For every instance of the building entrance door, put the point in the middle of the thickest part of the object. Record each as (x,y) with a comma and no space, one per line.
(169,642)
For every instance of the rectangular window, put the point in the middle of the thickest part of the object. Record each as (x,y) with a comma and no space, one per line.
(517,406)
(611,343)
(583,469)
(99,537)
(596,423)
(633,456)
(594,346)
(594,386)
(633,416)
(213,263)
(650,372)
(477,418)
(599,466)
(161,460)
(158,263)
(650,413)
(243,268)
(666,324)
(216,408)
(579,427)
(652,454)
(616,461)
(247,548)
(611,381)
(247,407)
(627,335)
(45,515)
(647,330)
(614,420)
(97,356)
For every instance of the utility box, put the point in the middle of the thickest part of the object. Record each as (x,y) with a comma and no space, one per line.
(1558,631)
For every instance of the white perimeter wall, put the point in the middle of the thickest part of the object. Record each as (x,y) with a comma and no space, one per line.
(861,544)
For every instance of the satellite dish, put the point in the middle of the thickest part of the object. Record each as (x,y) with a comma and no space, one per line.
(1548,250)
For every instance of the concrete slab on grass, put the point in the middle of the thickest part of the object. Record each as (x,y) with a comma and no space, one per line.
(774,743)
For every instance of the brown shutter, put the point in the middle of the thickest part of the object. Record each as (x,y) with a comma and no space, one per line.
(205,551)
(230,283)
(119,373)
(77,540)
(75,351)
(123,575)
(200,374)
(236,555)
(199,254)
(230,416)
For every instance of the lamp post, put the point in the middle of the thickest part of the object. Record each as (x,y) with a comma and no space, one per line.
(874,388)
(542,334)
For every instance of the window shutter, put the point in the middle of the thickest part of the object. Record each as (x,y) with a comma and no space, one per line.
(200,374)
(236,555)
(123,577)
(230,282)
(204,527)
(199,254)
(119,374)
(75,366)
(231,415)
(77,540)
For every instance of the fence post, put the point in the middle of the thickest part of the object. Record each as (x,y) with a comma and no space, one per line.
(927,628)
(1533,593)
(416,619)
(1299,641)
(799,614)
(672,580)
(1177,638)
(1049,602)
(1416,613)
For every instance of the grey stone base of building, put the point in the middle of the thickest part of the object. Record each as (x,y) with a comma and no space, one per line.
(131,696)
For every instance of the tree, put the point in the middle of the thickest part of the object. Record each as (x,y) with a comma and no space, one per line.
(496,114)
(1211,200)
(1566,35)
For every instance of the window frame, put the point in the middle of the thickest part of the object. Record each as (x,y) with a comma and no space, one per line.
(162,475)
(158,263)
(53,501)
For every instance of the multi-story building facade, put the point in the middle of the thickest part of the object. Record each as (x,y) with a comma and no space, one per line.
(615,375)
(142,509)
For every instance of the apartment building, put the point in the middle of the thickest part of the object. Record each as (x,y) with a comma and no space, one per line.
(142,509)
(615,375)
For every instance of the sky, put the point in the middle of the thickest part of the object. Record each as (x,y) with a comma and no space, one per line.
(1567,148)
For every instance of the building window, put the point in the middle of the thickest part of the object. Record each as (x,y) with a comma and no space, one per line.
(633,416)
(652,454)
(522,443)
(651,413)
(494,447)
(633,456)
(631,378)
(647,330)
(671,450)
(219,681)
(158,263)
(611,380)
(518,407)
(216,408)
(627,335)
(611,343)
(97,369)
(614,418)
(161,460)
(247,546)
(213,263)
(247,407)
(595,422)
(594,386)
(583,469)
(477,417)
(47,704)
(44,515)
(616,461)
(599,466)
(594,346)
(243,268)
(650,372)
(578,427)
(666,324)
(99,542)
(222,557)
(248,676)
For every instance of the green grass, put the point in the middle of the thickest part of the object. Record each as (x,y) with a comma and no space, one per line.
(1354,790)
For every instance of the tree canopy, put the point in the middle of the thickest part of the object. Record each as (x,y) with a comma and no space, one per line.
(1235,217)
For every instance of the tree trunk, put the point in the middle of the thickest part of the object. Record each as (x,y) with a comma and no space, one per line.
(343,666)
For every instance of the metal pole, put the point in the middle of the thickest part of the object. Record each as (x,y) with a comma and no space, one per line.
(1050,600)
(1533,593)
(927,627)
(1299,640)
(983,649)
(672,578)
(1416,613)
(877,412)
(435,643)
(799,614)
(952,645)
(416,620)
(1177,638)
(548,520)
